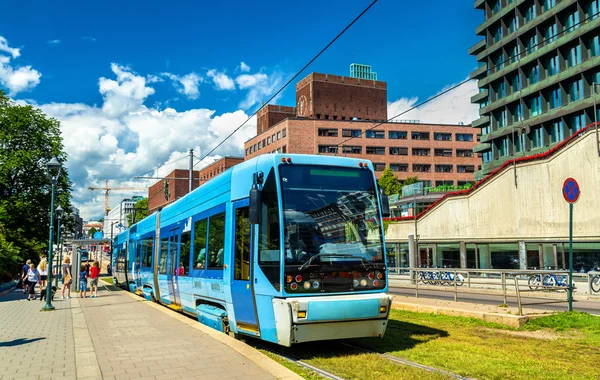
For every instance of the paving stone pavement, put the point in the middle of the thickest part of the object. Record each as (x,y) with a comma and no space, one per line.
(34,344)
(115,336)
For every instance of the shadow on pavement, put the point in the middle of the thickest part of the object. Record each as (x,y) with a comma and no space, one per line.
(19,342)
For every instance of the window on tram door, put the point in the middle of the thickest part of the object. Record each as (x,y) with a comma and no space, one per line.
(269,239)
(200,244)
(164,252)
(183,268)
(146,245)
(216,241)
(242,244)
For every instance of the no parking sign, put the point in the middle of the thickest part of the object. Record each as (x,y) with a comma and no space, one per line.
(571,193)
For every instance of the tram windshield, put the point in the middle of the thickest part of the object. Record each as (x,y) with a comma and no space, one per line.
(331,218)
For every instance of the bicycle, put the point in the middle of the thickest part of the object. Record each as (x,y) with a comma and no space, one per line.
(553,280)
(595,283)
(535,281)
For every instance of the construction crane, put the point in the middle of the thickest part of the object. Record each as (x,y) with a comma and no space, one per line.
(109,189)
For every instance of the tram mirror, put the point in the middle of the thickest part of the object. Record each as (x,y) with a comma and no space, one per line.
(385,206)
(255,204)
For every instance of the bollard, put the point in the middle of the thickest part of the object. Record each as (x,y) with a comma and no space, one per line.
(504,287)
(455,288)
(518,296)
(469,279)
(416,285)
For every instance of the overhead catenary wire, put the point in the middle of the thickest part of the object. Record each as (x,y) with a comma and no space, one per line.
(292,78)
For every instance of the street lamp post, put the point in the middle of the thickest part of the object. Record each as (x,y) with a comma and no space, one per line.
(53,167)
(59,212)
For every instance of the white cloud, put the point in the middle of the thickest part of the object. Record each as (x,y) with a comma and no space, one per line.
(221,80)
(450,108)
(186,84)
(260,87)
(53,42)
(15,78)
(123,138)
(244,68)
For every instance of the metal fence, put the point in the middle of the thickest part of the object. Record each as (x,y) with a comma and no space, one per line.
(525,285)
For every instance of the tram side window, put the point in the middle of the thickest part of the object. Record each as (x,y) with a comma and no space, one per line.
(216,241)
(242,244)
(164,252)
(269,250)
(200,244)
(184,254)
(120,260)
(146,246)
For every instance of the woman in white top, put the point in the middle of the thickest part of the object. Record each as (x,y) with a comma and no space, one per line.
(43,271)
(32,277)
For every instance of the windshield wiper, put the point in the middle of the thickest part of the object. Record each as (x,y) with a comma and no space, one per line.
(343,255)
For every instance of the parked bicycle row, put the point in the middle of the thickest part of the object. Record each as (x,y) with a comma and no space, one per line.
(441,278)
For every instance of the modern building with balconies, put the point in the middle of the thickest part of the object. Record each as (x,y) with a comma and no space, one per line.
(538,72)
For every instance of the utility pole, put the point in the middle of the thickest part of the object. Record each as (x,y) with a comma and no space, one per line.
(191,166)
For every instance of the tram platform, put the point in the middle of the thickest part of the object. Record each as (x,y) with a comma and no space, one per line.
(119,336)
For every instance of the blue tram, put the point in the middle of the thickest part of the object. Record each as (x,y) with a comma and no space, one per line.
(286,248)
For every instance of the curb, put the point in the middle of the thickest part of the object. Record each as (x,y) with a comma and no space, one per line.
(503,319)
(255,356)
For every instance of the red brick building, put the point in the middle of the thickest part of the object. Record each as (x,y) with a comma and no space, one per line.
(435,153)
(270,115)
(218,167)
(177,183)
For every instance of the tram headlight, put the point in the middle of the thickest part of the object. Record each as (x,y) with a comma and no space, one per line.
(363,282)
(289,279)
(379,275)
(355,283)
(301,314)
(294,286)
(316,284)
(306,285)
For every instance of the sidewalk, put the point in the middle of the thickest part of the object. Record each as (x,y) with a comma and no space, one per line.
(119,336)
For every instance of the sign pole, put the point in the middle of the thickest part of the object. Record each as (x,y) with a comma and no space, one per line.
(570,256)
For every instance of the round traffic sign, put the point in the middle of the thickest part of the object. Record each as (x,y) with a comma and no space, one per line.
(571,190)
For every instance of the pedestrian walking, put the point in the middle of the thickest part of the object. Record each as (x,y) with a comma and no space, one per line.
(67,278)
(43,271)
(82,282)
(33,276)
(24,271)
(94,273)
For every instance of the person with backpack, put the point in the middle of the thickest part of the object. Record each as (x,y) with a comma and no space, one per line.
(24,271)
(33,276)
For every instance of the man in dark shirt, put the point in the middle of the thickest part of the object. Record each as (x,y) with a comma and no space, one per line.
(24,271)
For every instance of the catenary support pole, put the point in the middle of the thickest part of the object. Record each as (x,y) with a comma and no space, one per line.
(570,256)
(191,177)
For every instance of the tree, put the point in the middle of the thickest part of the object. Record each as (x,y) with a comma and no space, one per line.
(28,140)
(389,182)
(140,211)
(410,181)
(91,232)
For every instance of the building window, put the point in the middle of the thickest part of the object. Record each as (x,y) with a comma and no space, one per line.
(499,62)
(576,90)
(558,132)
(517,113)
(268,142)
(259,145)
(531,13)
(537,137)
(464,153)
(572,21)
(465,168)
(352,149)
(503,147)
(246,151)
(375,150)
(396,151)
(535,105)
(399,167)
(555,98)
(443,152)
(516,83)
(328,132)
(497,7)
(421,151)
(464,137)
(255,147)
(421,168)
(549,4)
(520,143)
(279,135)
(443,168)
(284,149)
(498,33)
(442,136)
(595,46)
(593,9)
(375,134)
(379,167)
(419,135)
(351,132)
(327,149)
(513,25)
(532,44)
(534,75)
(397,135)
(444,183)
(574,56)
(553,66)
(500,90)
(577,122)
(487,156)
(283,132)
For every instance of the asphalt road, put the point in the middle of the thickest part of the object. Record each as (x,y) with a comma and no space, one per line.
(592,307)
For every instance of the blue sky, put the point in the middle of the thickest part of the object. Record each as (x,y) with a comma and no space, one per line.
(417,47)
(135,84)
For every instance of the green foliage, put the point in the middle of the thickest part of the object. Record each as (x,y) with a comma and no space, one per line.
(91,232)
(410,181)
(140,211)
(28,140)
(446,188)
(389,182)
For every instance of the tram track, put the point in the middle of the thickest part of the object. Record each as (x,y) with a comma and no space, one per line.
(404,361)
